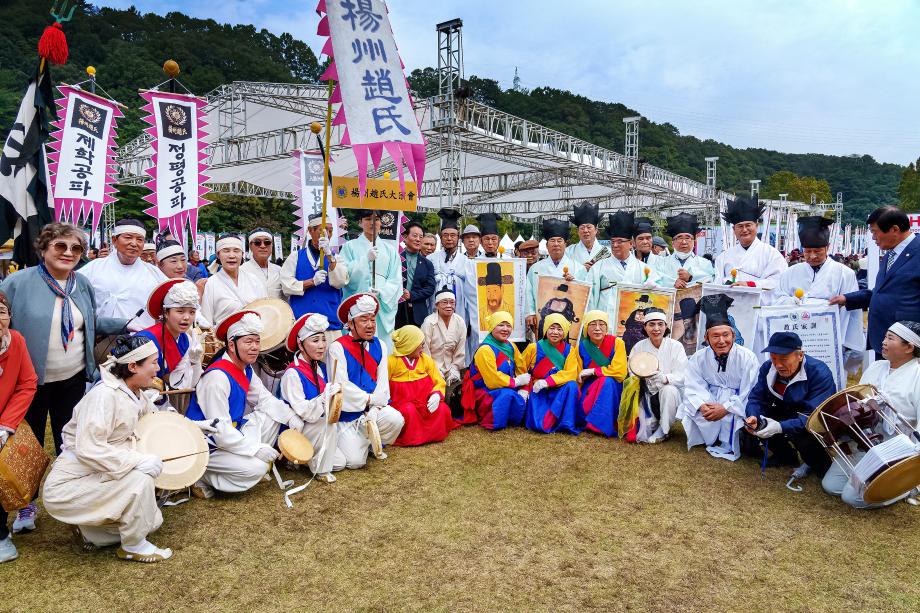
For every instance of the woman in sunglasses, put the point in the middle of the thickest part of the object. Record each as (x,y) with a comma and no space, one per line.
(56,314)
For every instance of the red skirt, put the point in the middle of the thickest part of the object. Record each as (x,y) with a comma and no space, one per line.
(410,398)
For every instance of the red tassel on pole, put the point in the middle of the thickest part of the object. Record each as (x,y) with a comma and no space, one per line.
(52,46)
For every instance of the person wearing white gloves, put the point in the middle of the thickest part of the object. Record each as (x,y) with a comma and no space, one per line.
(100,484)
(661,392)
(358,362)
(248,417)
(174,305)
(790,386)
(374,267)
(417,390)
(495,387)
(445,342)
(601,368)
(304,387)
(310,286)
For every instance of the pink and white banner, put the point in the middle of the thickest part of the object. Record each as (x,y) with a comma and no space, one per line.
(371,88)
(82,158)
(308,196)
(178,174)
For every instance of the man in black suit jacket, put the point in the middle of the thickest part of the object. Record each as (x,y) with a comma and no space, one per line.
(896,295)
(418,279)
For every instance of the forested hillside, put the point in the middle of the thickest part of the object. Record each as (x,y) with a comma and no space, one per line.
(128,50)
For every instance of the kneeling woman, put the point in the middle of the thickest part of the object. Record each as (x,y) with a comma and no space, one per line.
(174,304)
(100,484)
(553,365)
(303,386)
(417,390)
(602,368)
(495,387)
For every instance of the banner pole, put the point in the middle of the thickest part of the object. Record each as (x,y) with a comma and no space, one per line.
(326,152)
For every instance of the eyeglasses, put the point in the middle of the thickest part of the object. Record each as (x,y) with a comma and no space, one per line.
(60,248)
(261,243)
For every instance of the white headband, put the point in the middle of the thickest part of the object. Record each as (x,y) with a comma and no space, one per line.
(183,294)
(249,324)
(129,229)
(135,355)
(316,221)
(149,247)
(317,323)
(906,333)
(261,234)
(655,316)
(444,296)
(364,305)
(169,251)
(228,242)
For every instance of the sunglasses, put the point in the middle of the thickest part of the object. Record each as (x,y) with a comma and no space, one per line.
(60,248)
(261,243)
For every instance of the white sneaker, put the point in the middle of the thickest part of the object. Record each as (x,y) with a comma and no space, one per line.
(25,519)
(202,490)
(8,551)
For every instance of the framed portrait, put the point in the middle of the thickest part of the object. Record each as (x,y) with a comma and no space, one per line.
(500,286)
(630,303)
(687,317)
(742,313)
(556,295)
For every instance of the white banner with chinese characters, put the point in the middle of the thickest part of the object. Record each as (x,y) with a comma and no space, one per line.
(817,326)
(375,106)
(178,173)
(308,196)
(82,158)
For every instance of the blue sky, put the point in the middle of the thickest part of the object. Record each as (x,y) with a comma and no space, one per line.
(832,76)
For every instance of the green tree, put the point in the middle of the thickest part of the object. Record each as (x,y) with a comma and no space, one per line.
(909,188)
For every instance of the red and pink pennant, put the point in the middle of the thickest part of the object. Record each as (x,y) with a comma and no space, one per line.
(82,158)
(178,174)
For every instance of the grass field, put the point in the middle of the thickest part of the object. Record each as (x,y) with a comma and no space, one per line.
(502,521)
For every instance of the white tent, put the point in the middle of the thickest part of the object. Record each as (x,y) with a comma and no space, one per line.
(507,243)
(543,250)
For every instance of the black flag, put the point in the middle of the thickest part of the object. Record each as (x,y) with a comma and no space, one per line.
(23,178)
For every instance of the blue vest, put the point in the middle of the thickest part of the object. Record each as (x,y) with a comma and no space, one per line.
(323,299)
(182,342)
(310,391)
(357,373)
(237,400)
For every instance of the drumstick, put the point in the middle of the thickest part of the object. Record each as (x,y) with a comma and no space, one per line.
(187,455)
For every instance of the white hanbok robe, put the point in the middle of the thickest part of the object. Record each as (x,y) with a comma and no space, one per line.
(459,273)
(760,263)
(388,280)
(93,484)
(233,467)
(353,443)
(832,279)
(672,363)
(270,276)
(222,297)
(579,254)
(611,271)
(902,387)
(446,344)
(545,267)
(700,269)
(703,382)
(121,291)
(322,435)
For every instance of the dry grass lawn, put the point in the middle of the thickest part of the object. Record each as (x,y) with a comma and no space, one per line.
(502,521)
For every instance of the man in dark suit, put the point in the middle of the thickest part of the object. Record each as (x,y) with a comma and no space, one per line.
(418,279)
(896,295)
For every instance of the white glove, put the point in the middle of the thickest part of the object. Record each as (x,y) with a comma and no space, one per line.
(654,383)
(195,353)
(205,426)
(373,291)
(522,380)
(320,277)
(4,435)
(372,254)
(323,243)
(587,372)
(649,283)
(150,465)
(267,454)
(452,377)
(524,394)
(373,413)
(295,423)
(772,428)
(434,401)
(539,385)
(332,389)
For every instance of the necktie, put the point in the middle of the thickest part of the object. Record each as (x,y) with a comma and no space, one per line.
(722,361)
(623,262)
(891,257)
(683,261)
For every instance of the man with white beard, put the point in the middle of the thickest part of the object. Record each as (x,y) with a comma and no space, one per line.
(455,271)
(755,263)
